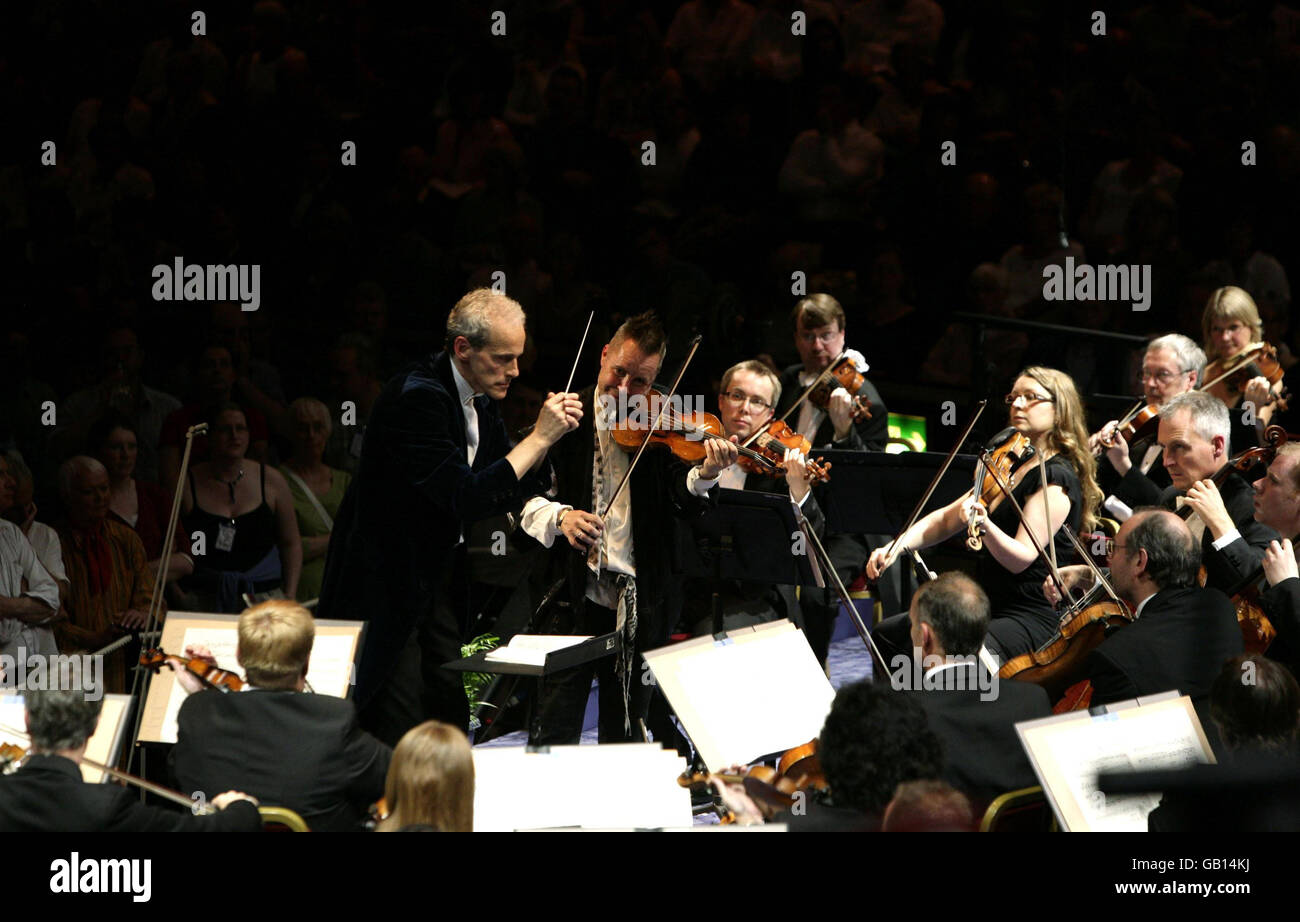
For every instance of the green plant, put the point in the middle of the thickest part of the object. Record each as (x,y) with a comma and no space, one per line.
(477,682)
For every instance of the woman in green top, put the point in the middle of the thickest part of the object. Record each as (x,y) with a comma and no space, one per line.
(317,489)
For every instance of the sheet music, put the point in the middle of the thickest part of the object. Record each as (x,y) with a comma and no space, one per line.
(1073,753)
(532,649)
(629,785)
(329,672)
(99,747)
(746,697)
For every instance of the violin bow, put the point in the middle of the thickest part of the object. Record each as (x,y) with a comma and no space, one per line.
(1234,364)
(1020,512)
(573,371)
(947,463)
(1102,580)
(165,793)
(811,387)
(160,584)
(846,599)
(663,407)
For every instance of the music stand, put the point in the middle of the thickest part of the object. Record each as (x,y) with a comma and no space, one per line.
(871,492)
(751,537)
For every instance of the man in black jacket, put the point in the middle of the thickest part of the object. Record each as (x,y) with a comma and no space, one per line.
(819,335)
(48,793)
(1277,505)
(1182,634)
(619,578)
(289,748)
(1171,365)
(436,457)
(972,713)
(750,391)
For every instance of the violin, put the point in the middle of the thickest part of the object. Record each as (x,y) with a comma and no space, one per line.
(214,677)
(684,434)
(798,771)
(1228,376)
(11,758)
(1135,425)
(1081,629)
(1009,450)
(843,372)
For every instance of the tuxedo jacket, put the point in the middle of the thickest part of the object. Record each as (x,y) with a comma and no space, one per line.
(658,496)
(1282,605)
(1181,641)
(744,603)
(405,510)
(286,748)
(984,757)
(48,795)
(1135,488)
(1229,567)
(847,551)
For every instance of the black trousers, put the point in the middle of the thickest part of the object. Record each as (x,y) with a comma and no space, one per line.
(419,688)
(561,701)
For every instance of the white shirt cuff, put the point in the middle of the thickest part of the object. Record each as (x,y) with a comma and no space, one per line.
(538,518)
(697,484)
(1228,538)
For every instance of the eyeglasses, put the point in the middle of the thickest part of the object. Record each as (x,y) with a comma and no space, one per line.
(825,338)
(1029,399)
(1163,376)
(1112,545)
(758,404)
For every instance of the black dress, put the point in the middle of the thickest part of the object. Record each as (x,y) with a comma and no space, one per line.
(1022,617)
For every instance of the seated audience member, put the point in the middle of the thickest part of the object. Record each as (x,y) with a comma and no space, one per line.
(975,724)
(110,585)
(1182,634)
(354,379)
(286,746)
(22,512)
(317,489)
(137,504)
(430,782)
(214,387)
(1255,706)
(29,597)
(928,806)
(245,511)
(120,390)
(48,794)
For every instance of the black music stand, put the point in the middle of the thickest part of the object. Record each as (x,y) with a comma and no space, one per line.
(871,492)
(748,536)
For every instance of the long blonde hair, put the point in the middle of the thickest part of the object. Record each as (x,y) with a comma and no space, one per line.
(431,780)
(1069,437)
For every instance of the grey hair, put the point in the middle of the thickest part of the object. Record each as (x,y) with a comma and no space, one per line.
(1191,357)
(474,314)
(59,719)
(1209,415)
(310,405)
(1173,555)
(73,468)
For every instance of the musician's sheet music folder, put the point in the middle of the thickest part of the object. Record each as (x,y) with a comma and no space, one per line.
(1068,751)
(753,692)
(557,655)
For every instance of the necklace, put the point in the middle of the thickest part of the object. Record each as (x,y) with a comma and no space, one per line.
(230,484)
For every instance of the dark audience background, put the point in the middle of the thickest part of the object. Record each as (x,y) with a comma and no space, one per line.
(523,154)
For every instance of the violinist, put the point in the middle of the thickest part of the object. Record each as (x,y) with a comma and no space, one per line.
(1277,506)
(819,336)
(746,402)
(1182,633)
(48,793)
(1044,407)
(618,578)
(289,748)
(1132,473)
(1230,324)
